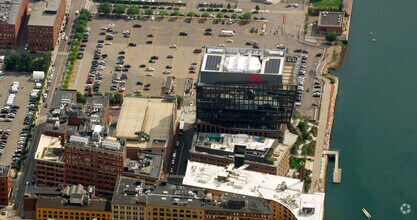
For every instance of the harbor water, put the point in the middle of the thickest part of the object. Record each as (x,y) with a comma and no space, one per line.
(375,124)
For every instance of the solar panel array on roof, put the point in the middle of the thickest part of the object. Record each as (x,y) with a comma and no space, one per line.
(272,66)
(212,62)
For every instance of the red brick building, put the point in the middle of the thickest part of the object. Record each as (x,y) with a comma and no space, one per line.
(45,24)
(330,22)
(95,166)
(5,185)
(13,15)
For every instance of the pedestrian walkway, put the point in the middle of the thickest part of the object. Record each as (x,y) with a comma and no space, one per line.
(325,122)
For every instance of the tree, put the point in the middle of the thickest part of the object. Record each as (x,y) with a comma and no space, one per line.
(205,15)
(119,9)
(257,8)
(11,60)
(330,36)
(24,63)
(247,16)
(177,13)
(228,6)
(191,14)
(85,12)
(142,135)
(234,16)
(148,11)
(81,98)
(133,10)
(104,8)
(220,15)
(163,13)
(78,36)
(118,98)
(180,100)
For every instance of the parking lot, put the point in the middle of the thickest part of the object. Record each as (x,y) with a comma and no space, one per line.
(16,125)
(164,33)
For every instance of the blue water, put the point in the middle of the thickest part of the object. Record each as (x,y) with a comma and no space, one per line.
(375,124)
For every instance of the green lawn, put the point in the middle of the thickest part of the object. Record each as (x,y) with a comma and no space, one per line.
(326,3)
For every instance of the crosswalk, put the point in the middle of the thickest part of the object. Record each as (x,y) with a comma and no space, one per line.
(62,53)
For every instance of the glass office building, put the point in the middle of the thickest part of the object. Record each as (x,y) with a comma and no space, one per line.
(242,90)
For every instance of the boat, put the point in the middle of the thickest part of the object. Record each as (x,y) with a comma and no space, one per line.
(374,40)
(366,213)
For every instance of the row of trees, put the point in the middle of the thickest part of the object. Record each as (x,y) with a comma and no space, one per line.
(81,24)
(14,61)
(106,8)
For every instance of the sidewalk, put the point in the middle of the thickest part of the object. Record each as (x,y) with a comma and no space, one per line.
(327,104)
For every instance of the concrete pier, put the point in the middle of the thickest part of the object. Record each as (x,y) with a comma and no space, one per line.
(337,172)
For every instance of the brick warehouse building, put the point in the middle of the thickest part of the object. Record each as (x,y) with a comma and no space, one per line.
(13,15)
(45,24)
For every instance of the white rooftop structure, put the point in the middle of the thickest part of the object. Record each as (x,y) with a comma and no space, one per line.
(227,142)
(243,60)
(284,190)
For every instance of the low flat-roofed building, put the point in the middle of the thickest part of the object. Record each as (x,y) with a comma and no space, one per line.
(330,21)
(147,167)
(244,90)
(33,193)
(154,118)
(285,195)
(261,154)
(166,200)
(13,16)
(44,26)
(74,202)
(5,185)
(49,162)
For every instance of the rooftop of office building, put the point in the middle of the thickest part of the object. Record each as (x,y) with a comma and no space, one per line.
(43,13)
(148,165)
(152,116)
(228,142)
(131,191)
(9,10)
(243,60)
(49,149)
(286,191)
(329,18)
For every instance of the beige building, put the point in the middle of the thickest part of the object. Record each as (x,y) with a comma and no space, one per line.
(147,125)
(49,161)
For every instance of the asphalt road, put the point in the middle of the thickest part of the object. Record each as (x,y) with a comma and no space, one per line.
(60,61)
(181,159)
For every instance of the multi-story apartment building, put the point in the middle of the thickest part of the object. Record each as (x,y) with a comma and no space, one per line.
(5,185)
(242,90)
(133,200)
(45,24)
(13,16)
(259,154)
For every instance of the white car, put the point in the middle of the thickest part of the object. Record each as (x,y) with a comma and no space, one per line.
(149,69)
(191,103)
(149,74)
(108,43)
(172,46)
(166,72)
(222,45)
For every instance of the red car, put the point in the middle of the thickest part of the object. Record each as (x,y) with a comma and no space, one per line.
(83,45)
(4,135)
(147,85)
(192,71)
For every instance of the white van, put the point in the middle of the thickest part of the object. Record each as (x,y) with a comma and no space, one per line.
(228,33)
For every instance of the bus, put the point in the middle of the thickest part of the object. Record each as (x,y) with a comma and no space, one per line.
(182,124)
